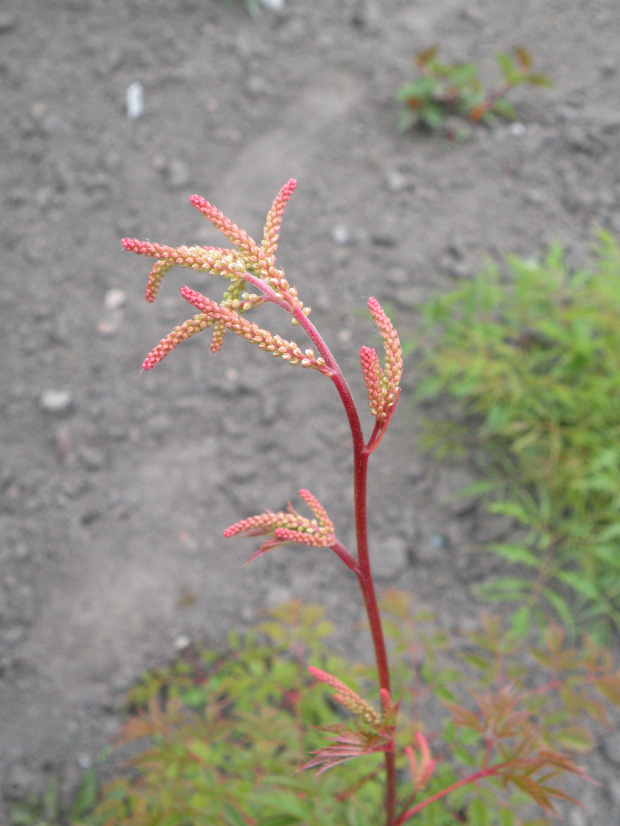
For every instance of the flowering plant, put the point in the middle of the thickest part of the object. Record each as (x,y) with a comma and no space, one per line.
(517,749)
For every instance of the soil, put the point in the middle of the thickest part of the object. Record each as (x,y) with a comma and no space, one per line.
(115,486)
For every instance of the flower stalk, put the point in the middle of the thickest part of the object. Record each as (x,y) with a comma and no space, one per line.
(254,265)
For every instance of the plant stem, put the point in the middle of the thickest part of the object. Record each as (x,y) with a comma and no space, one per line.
(364,574)
(361,453)
(479,775)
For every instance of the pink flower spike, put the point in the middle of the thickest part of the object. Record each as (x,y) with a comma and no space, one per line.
(181,333)
(275,215)
(393,350)
(422,771)
(246,245)
(317,509)
(374,379)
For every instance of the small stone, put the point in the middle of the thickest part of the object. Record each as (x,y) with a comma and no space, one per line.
(341,235)
(134,99)
(383,238)
(114,299)
(273,5)
(182,642)
(55,401)
(108,327)
(437,541)
(84,760)
(517,130)
(395,181)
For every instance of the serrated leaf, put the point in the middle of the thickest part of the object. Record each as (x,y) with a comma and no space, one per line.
(521,621)
(478,813)
(575,738)
(86,795)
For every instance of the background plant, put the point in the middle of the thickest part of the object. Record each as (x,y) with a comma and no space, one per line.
(516,751)
(443,89)
(529,368)
(224,733)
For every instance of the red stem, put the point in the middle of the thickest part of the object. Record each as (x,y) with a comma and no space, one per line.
(434,798)
(361,454)
(364,573)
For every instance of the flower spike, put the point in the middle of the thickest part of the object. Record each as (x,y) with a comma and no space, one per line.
(382,383)
(213,260)
(246,245)
(181,333)
(232,320)
(249,262)
(274,217)
(287,526)
(348,698)
(421,768)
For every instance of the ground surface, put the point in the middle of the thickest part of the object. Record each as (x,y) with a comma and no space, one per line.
(115,487)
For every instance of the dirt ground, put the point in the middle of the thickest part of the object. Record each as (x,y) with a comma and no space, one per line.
(115,487)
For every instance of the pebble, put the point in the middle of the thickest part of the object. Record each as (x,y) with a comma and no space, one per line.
(273,5)
(84,760)
(114,299)
(341,235)
(135,100)
(182,642)
(396,181)
(55,401)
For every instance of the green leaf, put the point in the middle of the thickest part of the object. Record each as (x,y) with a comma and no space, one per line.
(576,738)
(478,813)
(521,621)
(233,816)
(563,609)
(86,796)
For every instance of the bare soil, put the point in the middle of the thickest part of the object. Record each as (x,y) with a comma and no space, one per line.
(115,487)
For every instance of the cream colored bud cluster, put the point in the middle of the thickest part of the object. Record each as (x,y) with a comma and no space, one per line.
(391,344)
(421,767)
(215,260)
(247,246)
(274,217)
(273,343)
(382,383)
(374,380)
(289,526)
(348,698)
(248,260)
(181,333)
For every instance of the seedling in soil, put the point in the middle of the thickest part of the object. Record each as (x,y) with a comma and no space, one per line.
(517,750)
(443,90)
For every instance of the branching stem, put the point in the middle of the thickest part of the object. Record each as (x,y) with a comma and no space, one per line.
(361,453)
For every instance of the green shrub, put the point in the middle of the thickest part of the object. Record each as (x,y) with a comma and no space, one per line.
(223,735)
(443,89)
(529,366)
